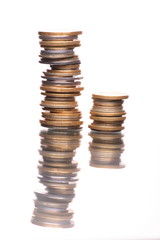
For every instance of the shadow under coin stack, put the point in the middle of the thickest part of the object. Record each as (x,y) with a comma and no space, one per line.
(61,135)
(108,116)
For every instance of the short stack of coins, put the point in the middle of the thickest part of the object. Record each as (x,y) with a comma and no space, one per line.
(108,117)
(60,137)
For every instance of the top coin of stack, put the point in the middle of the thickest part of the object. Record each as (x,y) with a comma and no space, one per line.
(61,83)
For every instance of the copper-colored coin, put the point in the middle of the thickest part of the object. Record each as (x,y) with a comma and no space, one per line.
(60,116)
(69,67)
(107,119)
(110,96)
(61,83)
(61,123)
(60,33)
(60,43)
(56,104)
(107,114)
(52,94)
(61,89)
(64,72)
(105,128)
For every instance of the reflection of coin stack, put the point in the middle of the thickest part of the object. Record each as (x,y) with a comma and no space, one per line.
(61,118)
(108,116)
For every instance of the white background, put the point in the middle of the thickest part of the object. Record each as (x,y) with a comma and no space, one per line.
(120,52)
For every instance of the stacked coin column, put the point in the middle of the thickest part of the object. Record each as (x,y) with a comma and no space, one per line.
(60,137)
(106,130)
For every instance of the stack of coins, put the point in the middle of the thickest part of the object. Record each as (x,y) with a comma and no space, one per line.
(108,117)
(60,138)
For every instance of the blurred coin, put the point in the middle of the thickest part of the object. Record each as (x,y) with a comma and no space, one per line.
(45,223)
(105,128)
(61,89)
(60,33)
(110,96)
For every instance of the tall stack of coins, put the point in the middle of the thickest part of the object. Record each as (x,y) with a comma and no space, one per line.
(108,117)
(61,120)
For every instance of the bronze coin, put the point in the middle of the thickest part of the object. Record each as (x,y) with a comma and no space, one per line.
(61,123)
(53,154)
(66,95)
(64,72)
(56,104)
(107,119)
(69,67)
(60,33)
(58,164)
(60,43)
(58,170)
(61,89)
(105,128)
(110,96)
(107,114)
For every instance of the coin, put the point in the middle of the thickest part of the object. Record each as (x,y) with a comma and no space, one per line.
(44,223)
(110,95)
(61,89)
(60,33)
(97,165)
(105,128)
(54,94)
